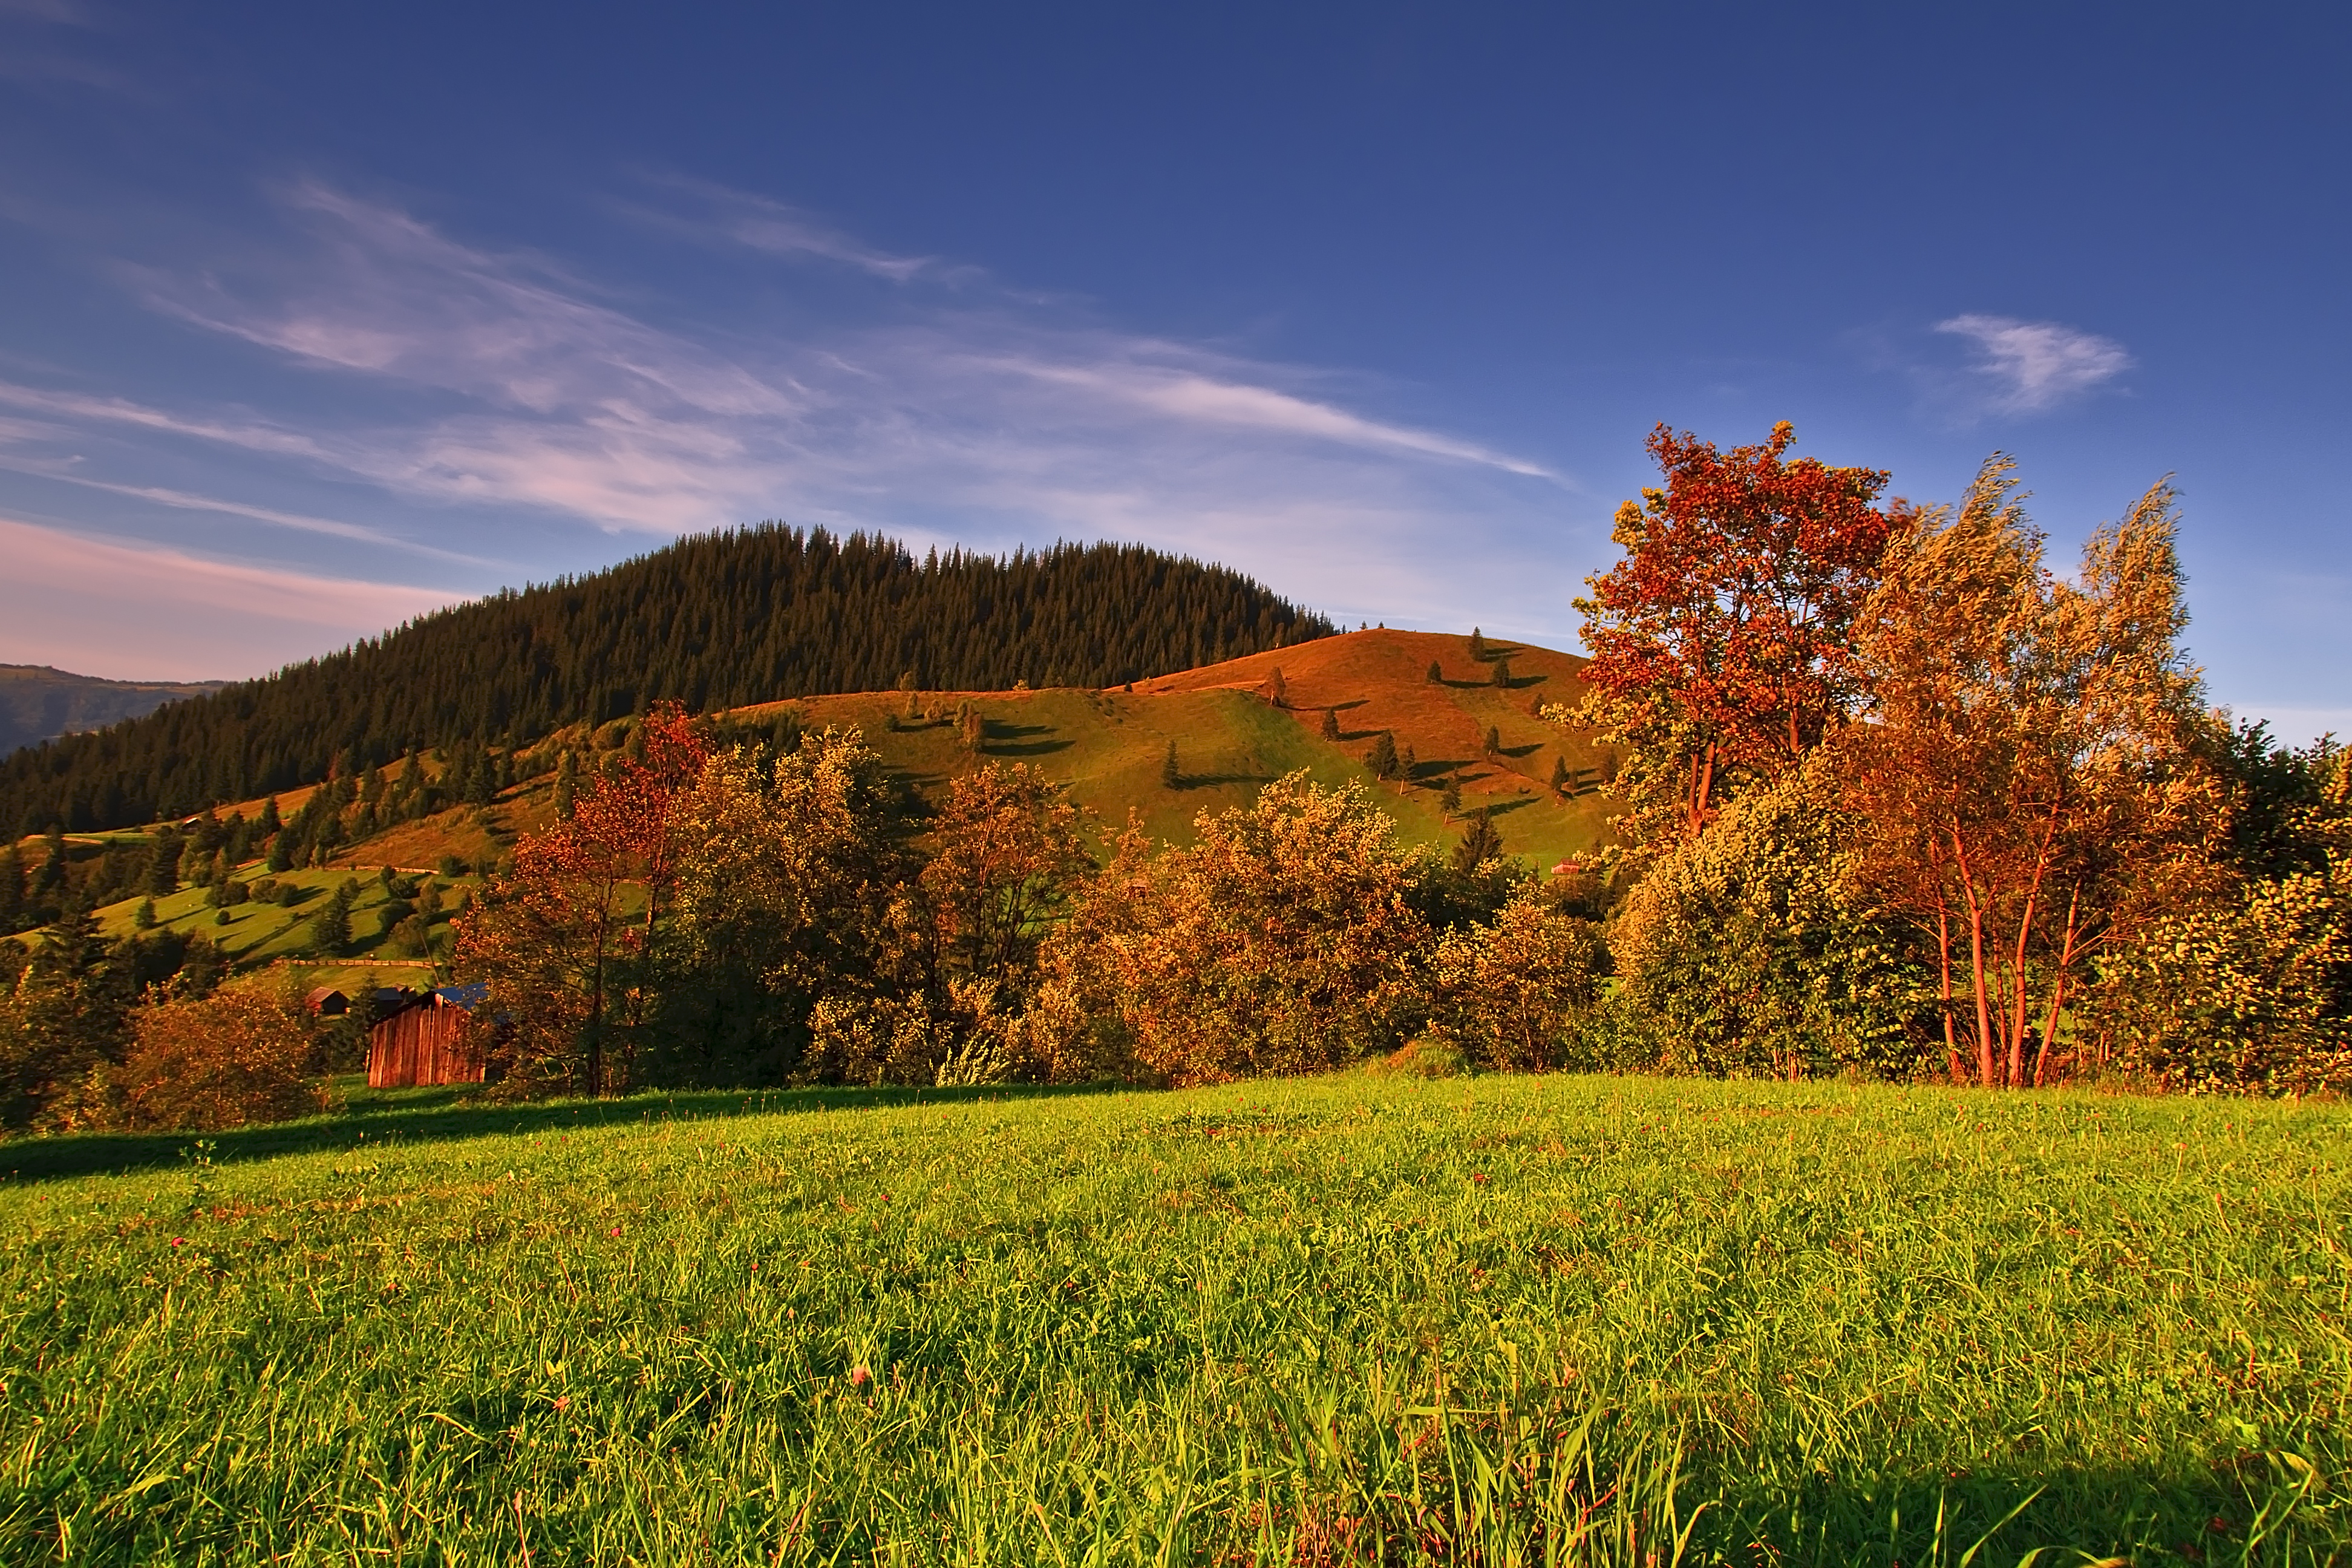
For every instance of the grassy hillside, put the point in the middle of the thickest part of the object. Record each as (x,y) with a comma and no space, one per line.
(1230,739)
(1110,747)
(1347,1319)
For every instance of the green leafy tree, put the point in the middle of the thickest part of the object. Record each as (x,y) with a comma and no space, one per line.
(63,1025)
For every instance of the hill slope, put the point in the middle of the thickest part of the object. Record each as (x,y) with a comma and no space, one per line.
(1110,747)
(715,622)
(39,703)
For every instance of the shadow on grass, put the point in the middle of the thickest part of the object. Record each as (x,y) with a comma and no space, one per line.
(376,1117)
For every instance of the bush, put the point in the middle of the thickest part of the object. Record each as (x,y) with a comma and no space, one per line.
(219,1061)
(1510,993)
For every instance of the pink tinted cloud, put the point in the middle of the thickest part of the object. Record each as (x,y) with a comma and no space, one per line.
(128,612)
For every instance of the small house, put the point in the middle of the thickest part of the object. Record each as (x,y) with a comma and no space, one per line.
(326,1002)
(423,1040)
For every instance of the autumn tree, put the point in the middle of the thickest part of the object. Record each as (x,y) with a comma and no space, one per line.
(1509,993)
(1007,854)
(1721,643)
(2029,786)
(567,940)
(1284,941)
(799,887)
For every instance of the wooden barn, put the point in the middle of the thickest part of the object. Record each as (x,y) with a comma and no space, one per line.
(423,1040)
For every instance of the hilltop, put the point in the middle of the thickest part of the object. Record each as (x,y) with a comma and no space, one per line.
(40,703)
(715,621)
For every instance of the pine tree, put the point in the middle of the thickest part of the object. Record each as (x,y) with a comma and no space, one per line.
(1477,645)
(1436,674)
(1382,759)
(567,783)
(1494,740)
(1407,765)
(282,849)
(1559,776)
(1171,776)
(163,863)
(331,928)
(1330,723)
(143,917)
(1278,691)
(1501,675)
(266,825)
(1480,843)
(52,877)
(12,889)
(1450,798)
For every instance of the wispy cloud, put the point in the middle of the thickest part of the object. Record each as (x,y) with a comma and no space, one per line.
(2025,367)
(775,228)
(483,387)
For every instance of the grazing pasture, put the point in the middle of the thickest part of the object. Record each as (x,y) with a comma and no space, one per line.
(1339,1319)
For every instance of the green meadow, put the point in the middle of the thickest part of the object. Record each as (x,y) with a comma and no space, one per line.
(1348,1320)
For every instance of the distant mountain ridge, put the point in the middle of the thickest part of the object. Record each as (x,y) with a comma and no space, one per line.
(718,620)
(39,702)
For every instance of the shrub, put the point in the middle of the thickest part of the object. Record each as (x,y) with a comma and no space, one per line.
(219,1061)
(1509,994)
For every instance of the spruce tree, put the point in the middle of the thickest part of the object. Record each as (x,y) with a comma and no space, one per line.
(143,917)
(1278,691)
(1480,843)
(1494,740)
(1501,675)
(51,878)
(1436,674)
(1407,765)
(1382,759)
(12,889)
(1559,776)
(1330,723)
(163,863)
(1171,776)
(1450,798)
(567,783)
(1477,645)
(331,928)
(282,850)
(268,824)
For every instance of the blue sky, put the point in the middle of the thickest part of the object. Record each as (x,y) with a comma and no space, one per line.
(317,316)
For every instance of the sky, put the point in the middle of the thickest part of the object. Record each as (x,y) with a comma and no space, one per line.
(314,318)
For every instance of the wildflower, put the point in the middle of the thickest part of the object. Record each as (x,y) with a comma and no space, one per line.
(562,1402)
(177,1241)
(859,1377)
(616,1230)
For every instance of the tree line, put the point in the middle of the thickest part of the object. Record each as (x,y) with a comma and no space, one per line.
(717,621)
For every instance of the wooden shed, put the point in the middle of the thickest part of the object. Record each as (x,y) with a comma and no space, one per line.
(423,1041)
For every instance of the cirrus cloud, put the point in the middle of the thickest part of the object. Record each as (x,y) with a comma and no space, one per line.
(2026,367)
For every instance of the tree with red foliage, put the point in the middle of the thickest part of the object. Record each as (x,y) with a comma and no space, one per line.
(566,941)
(1722,642)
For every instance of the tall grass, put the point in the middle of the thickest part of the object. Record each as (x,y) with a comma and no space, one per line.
(1341,1321)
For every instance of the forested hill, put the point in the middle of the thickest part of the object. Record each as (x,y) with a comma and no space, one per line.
(715,621)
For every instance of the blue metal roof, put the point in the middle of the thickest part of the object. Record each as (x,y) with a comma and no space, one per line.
(469,996)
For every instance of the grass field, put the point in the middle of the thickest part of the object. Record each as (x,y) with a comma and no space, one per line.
(1498,1320)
